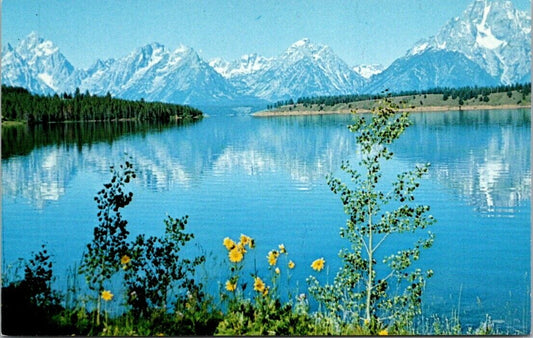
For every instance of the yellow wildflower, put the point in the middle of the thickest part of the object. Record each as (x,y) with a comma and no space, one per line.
(107,295)
(246,240)
(272,257)
(383,332)
(125,259)
(291,265)
(259,285)
(282,249)
(235,255)
(277,271)
(318,264)
(229,243)
(231,286)
(265,291)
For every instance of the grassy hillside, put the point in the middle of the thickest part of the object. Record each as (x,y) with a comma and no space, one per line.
(416,102)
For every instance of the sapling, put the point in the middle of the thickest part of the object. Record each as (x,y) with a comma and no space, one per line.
(376,288)
(109,244)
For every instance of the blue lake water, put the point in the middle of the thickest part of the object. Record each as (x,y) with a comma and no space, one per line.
(265,177)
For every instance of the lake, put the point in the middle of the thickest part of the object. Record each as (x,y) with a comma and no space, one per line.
(265,177)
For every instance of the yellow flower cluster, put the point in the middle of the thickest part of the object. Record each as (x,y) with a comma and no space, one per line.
(236,251)
(273,255)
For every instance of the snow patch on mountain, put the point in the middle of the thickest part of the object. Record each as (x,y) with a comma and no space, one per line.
(247,64)
(484,37)
(367,71)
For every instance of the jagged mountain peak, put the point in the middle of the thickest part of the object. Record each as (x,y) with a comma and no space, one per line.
(36,63)
(153,47)
(149,50)
(247,64)
(33,44)
(478,6)
(305,48)
(492,33)
(302,43)
(183,49)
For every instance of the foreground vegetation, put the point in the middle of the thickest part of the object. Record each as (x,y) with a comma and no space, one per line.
(20,105)
(146,286)
(517,95)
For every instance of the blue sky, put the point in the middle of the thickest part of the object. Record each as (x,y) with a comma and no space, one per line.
(359,31)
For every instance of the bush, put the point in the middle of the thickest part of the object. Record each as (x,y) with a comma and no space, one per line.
(29,306)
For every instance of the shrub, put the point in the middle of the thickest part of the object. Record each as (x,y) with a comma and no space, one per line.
(154,272)
(29,306)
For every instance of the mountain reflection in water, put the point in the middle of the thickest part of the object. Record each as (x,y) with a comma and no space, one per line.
(483,156)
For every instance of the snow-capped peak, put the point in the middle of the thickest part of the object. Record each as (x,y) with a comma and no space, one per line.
(34,45)
(305,42)
(305,46)
(492,33)
(247,64)
(183,49)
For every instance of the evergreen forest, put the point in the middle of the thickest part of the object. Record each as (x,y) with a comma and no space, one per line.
(18,104)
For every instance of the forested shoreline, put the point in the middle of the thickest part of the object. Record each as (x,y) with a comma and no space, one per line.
(18,104)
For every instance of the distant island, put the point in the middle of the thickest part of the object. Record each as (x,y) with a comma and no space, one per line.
(438,99)
(19,106)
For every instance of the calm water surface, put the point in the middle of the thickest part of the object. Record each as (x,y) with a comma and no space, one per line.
(265,177)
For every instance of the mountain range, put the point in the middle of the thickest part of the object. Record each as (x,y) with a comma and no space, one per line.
(488,44)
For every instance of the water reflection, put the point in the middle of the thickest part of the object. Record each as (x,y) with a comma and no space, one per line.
(21,140)
(38,162)
(482,156)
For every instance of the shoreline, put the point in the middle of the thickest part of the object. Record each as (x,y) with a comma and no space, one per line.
(266,113)
(175,118)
